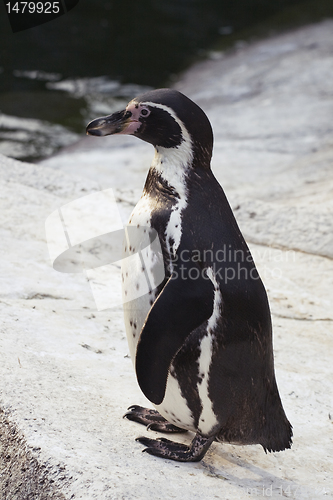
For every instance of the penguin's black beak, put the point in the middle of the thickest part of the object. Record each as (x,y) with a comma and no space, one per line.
(117,123)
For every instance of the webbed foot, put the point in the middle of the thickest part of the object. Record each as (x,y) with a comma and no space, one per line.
(176,451)
(152,419)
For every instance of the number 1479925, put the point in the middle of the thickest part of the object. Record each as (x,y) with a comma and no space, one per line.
(33,7)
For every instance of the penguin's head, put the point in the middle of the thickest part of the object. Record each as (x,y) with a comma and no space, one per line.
(165,118)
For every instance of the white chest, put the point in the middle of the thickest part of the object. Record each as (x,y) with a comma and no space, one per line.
(137,290)
(172,167)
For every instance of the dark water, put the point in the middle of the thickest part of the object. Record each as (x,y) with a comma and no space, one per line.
(57,76)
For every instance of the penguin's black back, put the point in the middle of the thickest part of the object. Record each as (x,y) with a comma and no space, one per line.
(242,385)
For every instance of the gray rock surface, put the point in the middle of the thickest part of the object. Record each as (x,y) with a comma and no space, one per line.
(66,378)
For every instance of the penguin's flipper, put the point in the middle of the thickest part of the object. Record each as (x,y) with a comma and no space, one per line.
(183,305)
(152,419)
(176,451)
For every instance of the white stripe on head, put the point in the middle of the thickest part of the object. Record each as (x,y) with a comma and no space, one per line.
(173,164)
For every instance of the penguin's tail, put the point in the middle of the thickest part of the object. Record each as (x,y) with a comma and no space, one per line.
(279,438)
(277,432)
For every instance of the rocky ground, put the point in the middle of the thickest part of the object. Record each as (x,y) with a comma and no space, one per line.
(66,378)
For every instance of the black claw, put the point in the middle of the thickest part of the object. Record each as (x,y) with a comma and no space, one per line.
(129,415)
(135,408)
(150,451)
(151,418)
(145,441)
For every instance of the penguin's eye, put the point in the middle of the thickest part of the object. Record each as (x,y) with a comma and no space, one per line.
(144,112)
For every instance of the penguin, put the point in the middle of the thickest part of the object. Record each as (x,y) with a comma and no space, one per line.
(201,339)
